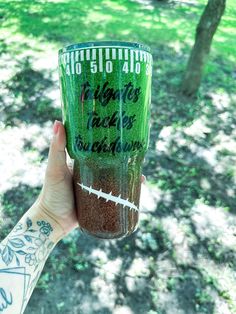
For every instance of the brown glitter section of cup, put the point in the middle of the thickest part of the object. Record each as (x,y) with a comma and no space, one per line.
(101,217)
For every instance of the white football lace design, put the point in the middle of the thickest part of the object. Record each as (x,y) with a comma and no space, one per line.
(109,197)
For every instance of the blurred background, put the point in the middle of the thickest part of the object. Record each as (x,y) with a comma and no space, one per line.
(183,257)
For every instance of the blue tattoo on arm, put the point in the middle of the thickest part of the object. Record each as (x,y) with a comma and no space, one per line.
(22,254)
(30,243)
(5,299)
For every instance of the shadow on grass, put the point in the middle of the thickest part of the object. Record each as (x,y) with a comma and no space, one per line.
(182,174)
(141,293)
(28,101)
(15,202)
(73,279)
(55,21)
(29,146)
(179,172)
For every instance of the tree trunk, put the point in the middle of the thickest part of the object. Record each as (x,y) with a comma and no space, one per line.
(205,31)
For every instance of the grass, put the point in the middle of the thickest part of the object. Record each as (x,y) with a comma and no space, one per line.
(53,21)
(177,258)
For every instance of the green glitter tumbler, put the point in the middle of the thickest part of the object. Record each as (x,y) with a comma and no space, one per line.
(106,94)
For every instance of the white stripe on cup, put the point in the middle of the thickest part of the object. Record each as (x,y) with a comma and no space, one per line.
(63,58)
(93,54)
(77,55)
(126,54)
(100,60)
(81,55)
(131,61)
(145,56)
(113,53)
(88,54)
(141,55)
(120,54)
(72,62)
(107,53)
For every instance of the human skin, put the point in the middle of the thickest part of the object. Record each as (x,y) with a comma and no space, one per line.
(25,250)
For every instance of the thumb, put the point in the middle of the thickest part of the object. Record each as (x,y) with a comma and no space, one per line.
(57,156)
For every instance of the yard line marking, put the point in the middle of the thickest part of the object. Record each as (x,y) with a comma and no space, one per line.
(72,59)
(88,54)
(81,55)
(77,55)
(131,61)
(63,59)
(67,57)
(120,54)
(93,54)
(72,62)
(107,53)
(100,60)
(113,53)
(145,56)
(126,54)
(141,55)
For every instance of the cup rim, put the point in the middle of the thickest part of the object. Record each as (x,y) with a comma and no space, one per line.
(105,43)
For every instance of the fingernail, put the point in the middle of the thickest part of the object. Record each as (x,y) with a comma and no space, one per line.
(56,127)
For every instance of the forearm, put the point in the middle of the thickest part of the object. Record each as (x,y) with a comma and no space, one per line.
(23,254)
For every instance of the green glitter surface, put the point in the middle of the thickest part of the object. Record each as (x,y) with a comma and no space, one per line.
(103,58)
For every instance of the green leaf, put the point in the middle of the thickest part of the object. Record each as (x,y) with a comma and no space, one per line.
(28,238)
(29,222)
(16,242)
(17,261)
(50,245)
(7,255)
(21,252)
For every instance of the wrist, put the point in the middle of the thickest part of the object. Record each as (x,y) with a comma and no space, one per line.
(46,221)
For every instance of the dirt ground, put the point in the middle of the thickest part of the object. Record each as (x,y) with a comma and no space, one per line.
(182,259)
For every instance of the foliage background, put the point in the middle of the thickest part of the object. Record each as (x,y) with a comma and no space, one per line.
(182,259)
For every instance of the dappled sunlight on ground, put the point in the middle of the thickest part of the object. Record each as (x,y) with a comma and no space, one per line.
(183,255)
(222,229)
(22,160)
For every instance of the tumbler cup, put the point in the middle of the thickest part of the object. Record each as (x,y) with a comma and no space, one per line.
(106,94)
